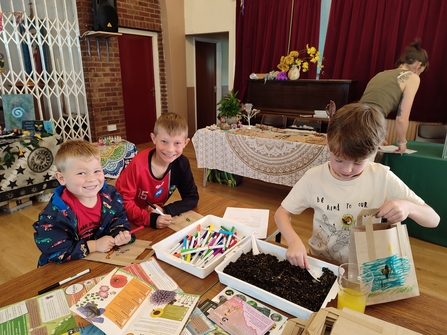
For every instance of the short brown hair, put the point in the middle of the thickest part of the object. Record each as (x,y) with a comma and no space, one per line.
(75,149)
(414,53)
(172,123)
(356,131)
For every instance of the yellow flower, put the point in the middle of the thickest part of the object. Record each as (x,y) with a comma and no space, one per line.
(300,58)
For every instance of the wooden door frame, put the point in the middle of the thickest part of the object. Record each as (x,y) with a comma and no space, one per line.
(218,70)
(156,66)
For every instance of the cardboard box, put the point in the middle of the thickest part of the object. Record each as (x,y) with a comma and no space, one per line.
(162,248)
(335,322)
(267,297)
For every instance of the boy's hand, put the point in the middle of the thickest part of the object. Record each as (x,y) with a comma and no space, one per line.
(394,211)
(297,255)
(122,238)
(105,243)
(164,221)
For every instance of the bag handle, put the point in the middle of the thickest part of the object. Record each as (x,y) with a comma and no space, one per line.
(404,242)
(365,212)
(400,229)
(369,230)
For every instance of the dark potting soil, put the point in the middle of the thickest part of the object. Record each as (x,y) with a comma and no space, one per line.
(282,279)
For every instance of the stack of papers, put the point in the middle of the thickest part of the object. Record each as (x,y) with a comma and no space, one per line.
(393,148)
(320,114)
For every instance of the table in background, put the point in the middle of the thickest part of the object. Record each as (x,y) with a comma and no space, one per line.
(115,157)
(274,157)
(27,166)
(425,172)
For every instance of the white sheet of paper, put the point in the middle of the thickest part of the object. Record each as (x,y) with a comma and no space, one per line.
(392,148)
(256,219)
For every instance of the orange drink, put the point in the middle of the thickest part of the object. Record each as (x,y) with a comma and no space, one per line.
(354,287)
(352,299)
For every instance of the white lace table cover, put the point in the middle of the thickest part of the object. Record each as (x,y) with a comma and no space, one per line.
(275,160)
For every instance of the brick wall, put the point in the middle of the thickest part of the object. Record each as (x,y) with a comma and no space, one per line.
(103,76)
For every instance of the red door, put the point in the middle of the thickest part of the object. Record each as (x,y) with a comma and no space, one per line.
(137,74)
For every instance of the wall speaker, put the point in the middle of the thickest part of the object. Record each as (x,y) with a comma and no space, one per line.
(105,15)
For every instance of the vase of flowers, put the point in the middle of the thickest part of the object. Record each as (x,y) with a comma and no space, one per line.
(294,72)
(296,61)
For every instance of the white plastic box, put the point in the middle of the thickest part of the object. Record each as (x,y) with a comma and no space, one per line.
(162,248)
(267,297)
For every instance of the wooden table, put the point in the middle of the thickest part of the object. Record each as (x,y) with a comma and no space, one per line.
(424,314)
(274,157)
(27,285)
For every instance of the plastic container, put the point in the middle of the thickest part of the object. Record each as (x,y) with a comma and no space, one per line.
(162,248)
(267,297)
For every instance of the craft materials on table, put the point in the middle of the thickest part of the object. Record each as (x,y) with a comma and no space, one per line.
(133,231)
(62,282)
(257,219)
(205,245)
(155,208)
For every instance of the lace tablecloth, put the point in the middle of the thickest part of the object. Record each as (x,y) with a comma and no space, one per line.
(115,157)
(274,157)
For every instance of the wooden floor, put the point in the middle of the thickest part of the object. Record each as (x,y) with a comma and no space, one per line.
(18,252)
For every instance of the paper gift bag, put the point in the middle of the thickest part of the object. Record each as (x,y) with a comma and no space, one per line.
(384,249)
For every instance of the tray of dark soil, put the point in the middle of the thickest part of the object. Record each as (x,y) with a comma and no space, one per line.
(269,277)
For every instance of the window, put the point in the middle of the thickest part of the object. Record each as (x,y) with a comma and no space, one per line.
(41,47)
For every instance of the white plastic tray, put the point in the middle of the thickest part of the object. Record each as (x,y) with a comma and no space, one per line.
(267,297)
(162,248)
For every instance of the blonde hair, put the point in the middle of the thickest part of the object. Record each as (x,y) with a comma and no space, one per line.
(172,123)
(355,131)
(79,149)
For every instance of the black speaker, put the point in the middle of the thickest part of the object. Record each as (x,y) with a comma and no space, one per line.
(105,15)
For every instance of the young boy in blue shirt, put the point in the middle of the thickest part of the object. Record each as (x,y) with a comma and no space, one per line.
(84,214)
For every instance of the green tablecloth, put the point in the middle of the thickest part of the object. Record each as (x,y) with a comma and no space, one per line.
(425,172)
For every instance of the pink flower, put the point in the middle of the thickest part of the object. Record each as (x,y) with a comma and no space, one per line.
(103,294)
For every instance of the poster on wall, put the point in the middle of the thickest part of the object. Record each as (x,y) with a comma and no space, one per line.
(17,108)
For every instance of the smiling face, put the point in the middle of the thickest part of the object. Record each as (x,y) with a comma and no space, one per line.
(83,177)
(168,147)
(345,169)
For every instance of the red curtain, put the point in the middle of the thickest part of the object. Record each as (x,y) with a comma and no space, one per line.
(306,30)
(368,36)
(262,35)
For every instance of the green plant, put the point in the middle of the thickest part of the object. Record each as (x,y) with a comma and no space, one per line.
(229,106)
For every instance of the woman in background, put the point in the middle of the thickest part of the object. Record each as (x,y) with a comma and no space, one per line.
(394,90)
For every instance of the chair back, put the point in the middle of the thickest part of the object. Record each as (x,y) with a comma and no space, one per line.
(307,125)
(435,133)
(274,120)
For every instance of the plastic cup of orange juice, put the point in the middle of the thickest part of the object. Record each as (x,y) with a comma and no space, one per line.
(354,286)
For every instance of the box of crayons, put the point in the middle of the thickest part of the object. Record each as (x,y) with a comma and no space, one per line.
(204,244)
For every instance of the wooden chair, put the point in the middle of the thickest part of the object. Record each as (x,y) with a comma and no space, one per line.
(435,133)
(274,120)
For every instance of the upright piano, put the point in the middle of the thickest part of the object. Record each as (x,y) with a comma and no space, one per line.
(298,99)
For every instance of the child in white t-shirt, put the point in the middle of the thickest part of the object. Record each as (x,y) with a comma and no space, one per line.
(350,182)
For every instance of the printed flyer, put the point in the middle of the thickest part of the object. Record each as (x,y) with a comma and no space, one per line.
(123,303)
